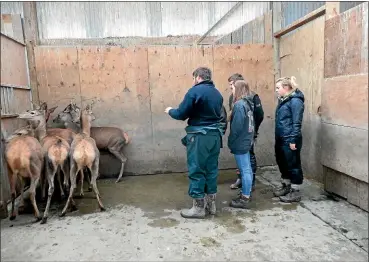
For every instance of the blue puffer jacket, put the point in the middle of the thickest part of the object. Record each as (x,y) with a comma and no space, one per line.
(288,117)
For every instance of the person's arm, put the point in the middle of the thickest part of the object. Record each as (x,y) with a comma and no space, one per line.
(184,109)
(238,121)
(297,109)
(259,113)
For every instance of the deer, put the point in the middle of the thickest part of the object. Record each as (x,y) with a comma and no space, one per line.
(112,139)
(84,153)
(24,159)
(56,154)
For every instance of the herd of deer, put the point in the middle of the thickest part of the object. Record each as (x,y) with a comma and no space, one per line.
(39,152)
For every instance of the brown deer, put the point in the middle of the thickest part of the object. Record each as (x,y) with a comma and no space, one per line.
(112,139)
(84,153)
(24,159)
(56,154)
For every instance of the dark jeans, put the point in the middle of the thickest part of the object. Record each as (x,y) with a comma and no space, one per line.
(202,162)
(289,161)
(253,165)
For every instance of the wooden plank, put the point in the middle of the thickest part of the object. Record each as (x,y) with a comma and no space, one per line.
(332,9)
(345,149)
(116,79)
(277,25)
(5,193)
(343,44)
(268,24)
(31,40)
(345,101)
(247,33)
(255,64)
(57,76)
(302,21)
(14,72)
(364,39)
(258,30)
(237,37)
(170,78)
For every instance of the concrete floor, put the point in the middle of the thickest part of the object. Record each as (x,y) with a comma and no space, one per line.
(142,223)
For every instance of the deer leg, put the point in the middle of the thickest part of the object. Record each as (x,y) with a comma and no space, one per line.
(123,160)
(89,181)
(59,182)
(50,179)
(94,174)
(12,181)
(32,190)
(82,178)
(66,170)
(21,204)
(73,178)
(43,186)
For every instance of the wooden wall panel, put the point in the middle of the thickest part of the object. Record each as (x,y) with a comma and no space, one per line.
(344,44)
(116,80)
(255,63)
(345,101)
(13,63)
(170,78)
(57,76)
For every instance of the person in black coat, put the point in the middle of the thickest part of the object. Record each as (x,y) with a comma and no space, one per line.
(288,138)
(258,119)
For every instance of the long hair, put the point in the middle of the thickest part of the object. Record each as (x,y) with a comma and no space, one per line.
(242,89)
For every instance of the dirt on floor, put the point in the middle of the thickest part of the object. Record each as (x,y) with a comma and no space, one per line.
(142,223)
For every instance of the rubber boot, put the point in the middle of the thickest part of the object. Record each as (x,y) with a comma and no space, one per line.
(211,208)
(197,210)
(282,191)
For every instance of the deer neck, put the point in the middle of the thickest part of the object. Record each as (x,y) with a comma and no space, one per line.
(85,125)
(41,129)
(73,126)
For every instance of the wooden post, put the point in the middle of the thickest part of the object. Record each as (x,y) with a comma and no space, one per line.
(277,25)
(331,9)
(4,186)
(31,39)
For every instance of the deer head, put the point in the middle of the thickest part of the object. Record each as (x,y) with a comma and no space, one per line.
(33,115)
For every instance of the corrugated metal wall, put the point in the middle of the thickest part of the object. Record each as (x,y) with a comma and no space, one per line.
(145,19)
(344,6)
(292,11)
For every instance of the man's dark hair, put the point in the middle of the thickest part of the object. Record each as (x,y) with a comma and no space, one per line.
(203,72)
(235,77)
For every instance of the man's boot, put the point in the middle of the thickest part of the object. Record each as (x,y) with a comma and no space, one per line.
(197,210)
(292,196)
(241,202)
(282,191)
(211,208)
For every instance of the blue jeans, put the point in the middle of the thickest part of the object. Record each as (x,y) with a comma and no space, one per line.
(244,165)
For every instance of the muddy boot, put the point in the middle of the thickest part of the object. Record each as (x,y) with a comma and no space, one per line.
(282,191)
(197,210)
(241,202)
(292,196)
(211,208)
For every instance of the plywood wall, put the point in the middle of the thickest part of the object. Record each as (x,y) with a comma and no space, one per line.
(131,87)
(345,105)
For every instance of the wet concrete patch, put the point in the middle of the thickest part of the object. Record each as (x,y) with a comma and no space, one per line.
(164,222)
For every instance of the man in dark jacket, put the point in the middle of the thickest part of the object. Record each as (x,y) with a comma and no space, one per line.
(203,107)
(258,119)
(288,139)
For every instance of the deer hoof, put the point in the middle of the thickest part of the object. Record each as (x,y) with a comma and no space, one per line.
(62,214)
(81,194)
(62,197)
(73,208)
(102,209)
(44,220)
(118,180)
(90,189)
(12,217)
(38,219)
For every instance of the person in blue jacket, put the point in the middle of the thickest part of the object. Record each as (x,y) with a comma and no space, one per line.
(288,138)
(241,139)
(258,119)
(207,122)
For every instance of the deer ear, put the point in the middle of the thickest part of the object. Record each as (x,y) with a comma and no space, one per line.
(67,109)
(43,106)
(52,109)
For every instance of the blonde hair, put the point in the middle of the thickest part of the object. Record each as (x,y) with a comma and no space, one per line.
(241,89)
(288,81)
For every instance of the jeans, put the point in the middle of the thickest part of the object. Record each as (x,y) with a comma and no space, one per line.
(202,162)
(244,165)
(289,161)
(253,164)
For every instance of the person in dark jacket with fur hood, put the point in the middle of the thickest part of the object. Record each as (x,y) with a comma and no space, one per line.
(288,138)
(241,139)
